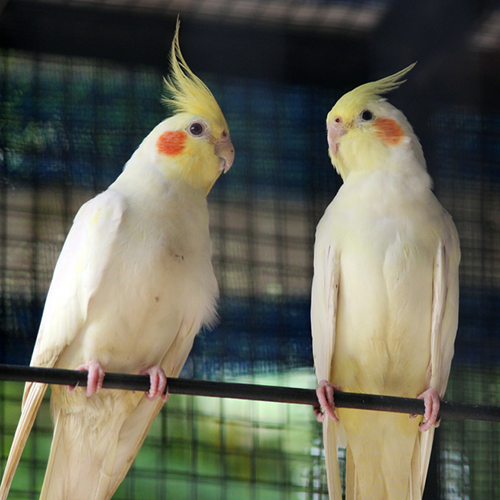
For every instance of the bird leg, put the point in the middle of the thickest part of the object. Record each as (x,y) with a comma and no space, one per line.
(158,386)
(326,407)
(95,378)
(432,402)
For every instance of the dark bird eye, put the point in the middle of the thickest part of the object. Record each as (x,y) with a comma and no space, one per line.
(196,129)
(366,115)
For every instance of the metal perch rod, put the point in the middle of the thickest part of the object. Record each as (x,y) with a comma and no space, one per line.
(249,391)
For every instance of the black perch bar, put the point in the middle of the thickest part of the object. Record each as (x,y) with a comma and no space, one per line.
(249,391)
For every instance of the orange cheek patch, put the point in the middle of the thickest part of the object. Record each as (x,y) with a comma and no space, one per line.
(171,143)
(389,130)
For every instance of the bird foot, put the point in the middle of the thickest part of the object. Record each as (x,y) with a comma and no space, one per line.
(95,378)
(326,407)
(432,402)
(158,387)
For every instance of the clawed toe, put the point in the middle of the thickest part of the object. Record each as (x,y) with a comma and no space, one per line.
(431,415)
(158,387)
(95,378)
(325,392)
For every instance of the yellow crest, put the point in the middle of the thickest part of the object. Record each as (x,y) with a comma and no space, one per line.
(356,99)
(186,92)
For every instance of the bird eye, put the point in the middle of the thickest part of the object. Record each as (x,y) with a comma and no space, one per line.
(366,115)
(196,129)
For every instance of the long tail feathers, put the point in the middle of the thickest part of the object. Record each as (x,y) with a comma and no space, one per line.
(330,439)
(33,397)
(91,455)
(132,436)
(425,449)
(81,471)
(134,430)
(95,444)
(387,458)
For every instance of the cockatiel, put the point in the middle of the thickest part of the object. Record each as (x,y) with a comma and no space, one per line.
(384,306)
(132,287)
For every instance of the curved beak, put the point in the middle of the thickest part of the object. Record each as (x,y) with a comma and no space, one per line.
(224,149)
(336,130)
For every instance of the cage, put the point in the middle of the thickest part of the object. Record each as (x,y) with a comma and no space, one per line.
(80,86)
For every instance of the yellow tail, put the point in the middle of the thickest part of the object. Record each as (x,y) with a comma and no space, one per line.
(386,457)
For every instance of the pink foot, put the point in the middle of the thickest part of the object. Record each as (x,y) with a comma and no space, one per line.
(94,379)
(325,391)
(432,402)
(158,386)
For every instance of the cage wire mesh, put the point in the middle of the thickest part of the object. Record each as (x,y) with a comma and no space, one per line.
(68,125)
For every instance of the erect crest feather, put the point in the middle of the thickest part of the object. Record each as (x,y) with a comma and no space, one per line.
(186,93)
(357,99)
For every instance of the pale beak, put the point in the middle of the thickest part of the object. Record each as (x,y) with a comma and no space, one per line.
(224,149)
(336,130)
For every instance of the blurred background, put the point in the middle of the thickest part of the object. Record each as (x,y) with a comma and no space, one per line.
(80,86)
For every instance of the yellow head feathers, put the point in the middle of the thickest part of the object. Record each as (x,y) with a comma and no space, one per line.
(365,132)
(357,99)
(186,92)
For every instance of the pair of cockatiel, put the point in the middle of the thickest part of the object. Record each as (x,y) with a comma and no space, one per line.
(134,284)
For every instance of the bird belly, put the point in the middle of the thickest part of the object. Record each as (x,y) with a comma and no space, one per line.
(140,312)
(384,318)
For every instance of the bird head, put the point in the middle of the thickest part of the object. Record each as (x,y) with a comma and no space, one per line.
(365,132)
(194,143)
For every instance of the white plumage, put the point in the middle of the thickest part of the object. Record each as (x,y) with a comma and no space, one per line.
(384,298)
(132,287)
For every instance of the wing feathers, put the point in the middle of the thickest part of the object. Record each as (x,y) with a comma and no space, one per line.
(439,295)
(443,326)
(32,399)
(90,240)
(78,273)
(324,303)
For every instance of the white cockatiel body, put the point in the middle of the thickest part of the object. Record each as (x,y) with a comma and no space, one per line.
(132,287)
(384,298)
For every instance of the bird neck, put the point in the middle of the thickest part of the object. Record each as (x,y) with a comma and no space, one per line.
(200,172)
(197,171)
(373,155)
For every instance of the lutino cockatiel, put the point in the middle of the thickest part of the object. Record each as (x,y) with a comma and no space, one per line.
(132,287)
(384,297)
